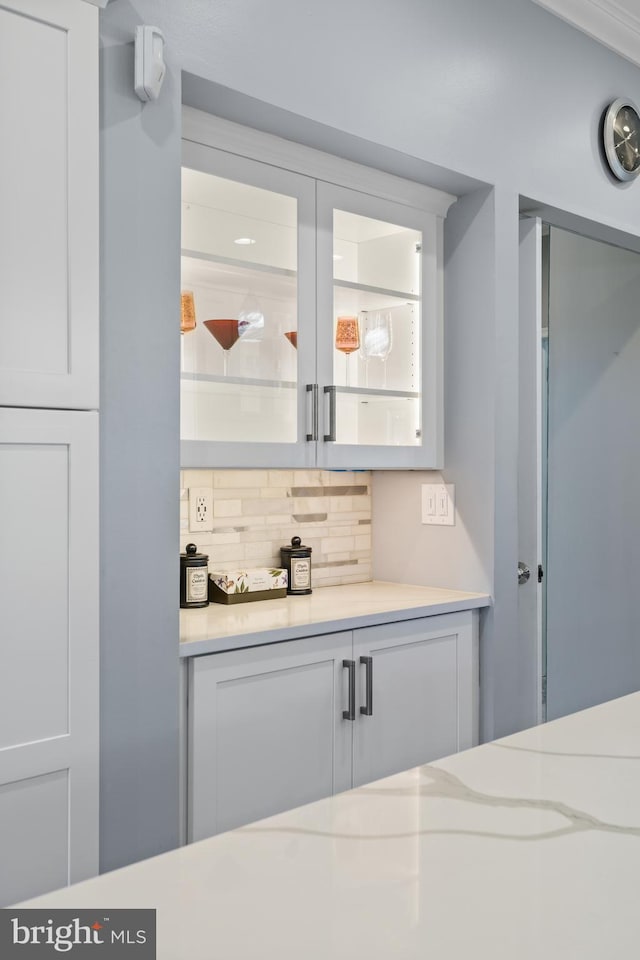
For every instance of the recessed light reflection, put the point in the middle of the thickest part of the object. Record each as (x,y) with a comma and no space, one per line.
(337,256)
(244,241)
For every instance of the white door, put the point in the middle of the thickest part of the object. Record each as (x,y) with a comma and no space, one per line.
(266,731)
(49,658)
(529,469)
(49,204)
(417,693)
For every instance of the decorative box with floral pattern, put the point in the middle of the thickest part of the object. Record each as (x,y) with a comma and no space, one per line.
(240,586)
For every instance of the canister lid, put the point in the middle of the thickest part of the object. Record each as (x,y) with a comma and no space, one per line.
(192,554)
(296,548)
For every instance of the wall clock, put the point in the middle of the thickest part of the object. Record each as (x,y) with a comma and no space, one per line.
(622,139)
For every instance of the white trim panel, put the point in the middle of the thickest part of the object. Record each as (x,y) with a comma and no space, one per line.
(606,21)
(243,141)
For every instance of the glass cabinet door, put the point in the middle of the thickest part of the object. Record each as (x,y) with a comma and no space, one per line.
(248,311)
(379,332)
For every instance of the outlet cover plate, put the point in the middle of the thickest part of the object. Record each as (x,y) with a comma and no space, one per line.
(438,504)
(200,509)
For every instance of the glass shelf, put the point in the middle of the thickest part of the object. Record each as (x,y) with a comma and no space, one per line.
(377,417)
(378,393)
(240,264)
(381,291)
(213,408)
(243,381)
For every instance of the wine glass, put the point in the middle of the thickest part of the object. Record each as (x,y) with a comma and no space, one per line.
(187,312)
(376,339)
(347,339)
(226,333)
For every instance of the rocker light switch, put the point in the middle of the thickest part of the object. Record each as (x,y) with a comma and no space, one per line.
(438,504)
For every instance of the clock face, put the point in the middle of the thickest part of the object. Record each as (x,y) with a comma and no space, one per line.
(622,139)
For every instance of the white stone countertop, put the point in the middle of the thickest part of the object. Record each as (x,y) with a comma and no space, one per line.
(522,849)
(328,609)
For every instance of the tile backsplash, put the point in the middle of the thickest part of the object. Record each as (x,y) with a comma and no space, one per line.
(255,512)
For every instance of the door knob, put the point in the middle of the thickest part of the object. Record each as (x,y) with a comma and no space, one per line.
(523,573)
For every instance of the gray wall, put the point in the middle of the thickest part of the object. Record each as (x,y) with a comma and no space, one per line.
(499,91)
(594,473)
(140,248)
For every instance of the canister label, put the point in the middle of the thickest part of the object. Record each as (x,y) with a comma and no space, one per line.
(300,574)
(197,585)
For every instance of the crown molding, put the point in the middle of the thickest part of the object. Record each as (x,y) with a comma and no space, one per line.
(608,21)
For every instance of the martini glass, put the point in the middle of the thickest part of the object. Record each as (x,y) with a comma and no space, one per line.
(292,337)
(226,333)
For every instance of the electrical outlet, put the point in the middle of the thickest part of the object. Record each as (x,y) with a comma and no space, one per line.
(200,509)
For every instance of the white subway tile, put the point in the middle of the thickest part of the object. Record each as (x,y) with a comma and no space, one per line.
(281,478)
(245,493)
(227,508)
(302,505)
(271,493)
(341,504)
(237,479)
(363,541)
(198,478)
(337,544)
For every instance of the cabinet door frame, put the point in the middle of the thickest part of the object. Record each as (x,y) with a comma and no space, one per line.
(206,673)
(302,452)
(77,387)
(462,626)
(76,751)
(429,454)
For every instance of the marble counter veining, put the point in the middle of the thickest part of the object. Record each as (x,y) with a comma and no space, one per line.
(328,609)
(527,848)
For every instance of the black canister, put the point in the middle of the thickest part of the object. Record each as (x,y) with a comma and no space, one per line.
(194,578)
(297,561)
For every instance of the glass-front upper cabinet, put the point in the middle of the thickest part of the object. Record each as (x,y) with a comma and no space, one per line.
(379,319)
(311,313)
(248,311)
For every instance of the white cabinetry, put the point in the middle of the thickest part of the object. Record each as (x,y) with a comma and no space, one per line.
(280,725)
(49,650)
(318,308)
(265,732)
(49,204)
(49,737)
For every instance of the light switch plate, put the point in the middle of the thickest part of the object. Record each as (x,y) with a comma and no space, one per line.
(200,509)
(438,504)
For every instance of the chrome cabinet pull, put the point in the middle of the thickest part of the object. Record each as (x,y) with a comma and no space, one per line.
(367,710)
(331,391)
(350,714)
(312,388)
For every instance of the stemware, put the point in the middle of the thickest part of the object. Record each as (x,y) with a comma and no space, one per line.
(226,333)
(376,340)
(292,337)
(250,319)
(347,339)
(187,312)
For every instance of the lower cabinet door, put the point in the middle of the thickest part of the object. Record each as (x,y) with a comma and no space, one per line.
(417,693)
(49,650)
(266,731)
